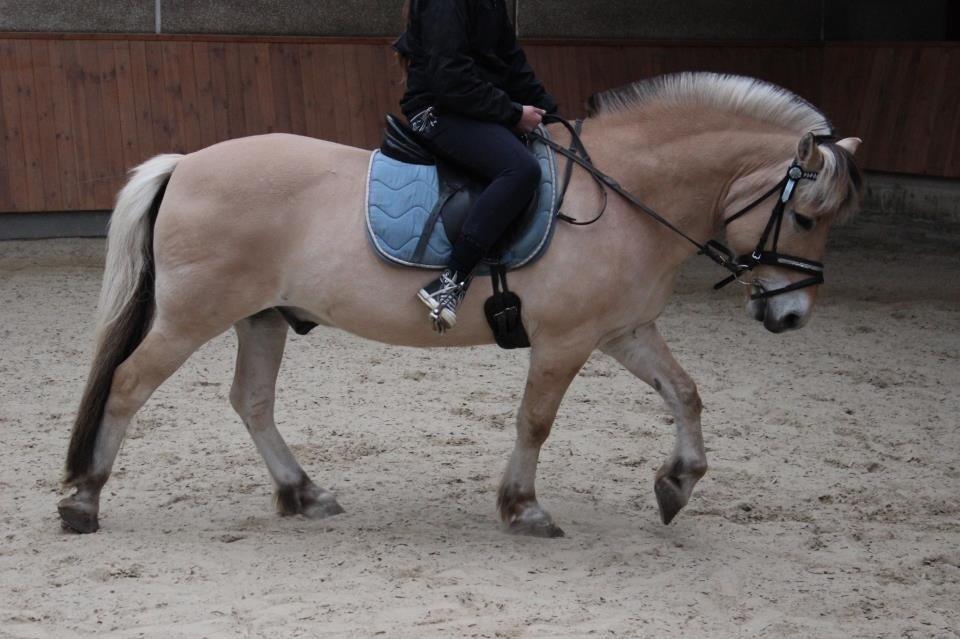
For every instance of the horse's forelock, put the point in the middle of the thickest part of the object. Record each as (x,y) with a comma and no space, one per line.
(837,189)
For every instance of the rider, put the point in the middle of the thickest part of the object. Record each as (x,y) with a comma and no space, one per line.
(470,95)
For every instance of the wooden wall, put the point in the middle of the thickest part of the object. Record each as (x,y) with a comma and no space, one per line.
(76,112)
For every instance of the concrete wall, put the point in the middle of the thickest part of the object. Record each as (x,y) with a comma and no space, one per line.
(652,19)
(932,200)
(110,16)
(342,17)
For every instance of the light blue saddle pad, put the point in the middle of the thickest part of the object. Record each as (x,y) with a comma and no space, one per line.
(400,197)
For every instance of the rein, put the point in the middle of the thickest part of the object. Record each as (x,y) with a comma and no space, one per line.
(737,265)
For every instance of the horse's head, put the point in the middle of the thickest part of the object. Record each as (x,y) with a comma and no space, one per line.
(784,239)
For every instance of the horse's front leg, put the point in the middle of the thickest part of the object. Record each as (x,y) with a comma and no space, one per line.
(644,353)
(552,367)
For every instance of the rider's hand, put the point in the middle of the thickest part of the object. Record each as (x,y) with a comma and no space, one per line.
(531,119)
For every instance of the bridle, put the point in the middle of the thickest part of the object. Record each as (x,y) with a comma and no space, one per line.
(772,257)
(737,265)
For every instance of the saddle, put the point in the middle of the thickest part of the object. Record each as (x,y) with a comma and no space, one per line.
(418,200)
(459,189)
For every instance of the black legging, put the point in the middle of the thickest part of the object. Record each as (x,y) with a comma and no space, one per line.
(494,152)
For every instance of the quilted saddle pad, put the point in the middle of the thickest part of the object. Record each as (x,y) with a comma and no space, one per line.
(401,196)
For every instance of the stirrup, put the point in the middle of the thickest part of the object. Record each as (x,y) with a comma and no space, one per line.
(442,296)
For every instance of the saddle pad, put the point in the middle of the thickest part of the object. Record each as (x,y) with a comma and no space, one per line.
(399,200)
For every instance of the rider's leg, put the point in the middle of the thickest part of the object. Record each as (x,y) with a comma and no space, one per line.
(491,151)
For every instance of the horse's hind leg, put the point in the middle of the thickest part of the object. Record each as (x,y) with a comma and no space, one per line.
(552,367)
(644,353)
(158,356)
(261,341)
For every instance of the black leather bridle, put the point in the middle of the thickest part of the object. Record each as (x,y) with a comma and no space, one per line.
(772,257)
(737,265)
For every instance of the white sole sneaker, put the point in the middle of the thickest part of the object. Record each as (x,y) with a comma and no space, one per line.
(449,318)
(428,301)
(442,321)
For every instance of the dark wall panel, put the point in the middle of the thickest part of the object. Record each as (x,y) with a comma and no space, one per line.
(902,100)
(77,112)
(671,19)
(886,20)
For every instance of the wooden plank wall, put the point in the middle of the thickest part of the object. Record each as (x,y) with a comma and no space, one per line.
(76,112)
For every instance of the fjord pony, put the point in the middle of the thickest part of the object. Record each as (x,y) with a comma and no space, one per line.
(227,235)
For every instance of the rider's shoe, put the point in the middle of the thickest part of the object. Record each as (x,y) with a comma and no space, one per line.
(442,296)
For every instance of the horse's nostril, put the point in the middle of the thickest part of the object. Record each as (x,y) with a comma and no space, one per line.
(791,320)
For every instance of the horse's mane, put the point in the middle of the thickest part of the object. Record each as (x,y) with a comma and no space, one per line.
(740,95)
(733,94)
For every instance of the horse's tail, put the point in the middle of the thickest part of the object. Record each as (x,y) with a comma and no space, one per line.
(126,300)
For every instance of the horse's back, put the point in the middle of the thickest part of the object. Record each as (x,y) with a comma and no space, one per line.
(281,158)
(246,178)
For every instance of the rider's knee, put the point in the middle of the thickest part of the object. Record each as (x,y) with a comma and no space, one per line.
(528,172)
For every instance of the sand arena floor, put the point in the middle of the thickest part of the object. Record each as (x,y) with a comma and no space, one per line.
(831,509)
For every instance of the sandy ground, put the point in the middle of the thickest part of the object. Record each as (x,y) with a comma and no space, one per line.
(831,509)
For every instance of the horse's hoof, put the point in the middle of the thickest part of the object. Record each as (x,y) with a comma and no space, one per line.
(307,499)
(533,522)
(77,516)
(670,498)
(544,529)
(326,507)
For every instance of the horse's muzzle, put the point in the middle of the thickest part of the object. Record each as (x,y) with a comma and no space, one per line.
(777,316)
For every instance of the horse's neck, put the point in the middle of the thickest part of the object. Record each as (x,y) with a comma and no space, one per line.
(685,176)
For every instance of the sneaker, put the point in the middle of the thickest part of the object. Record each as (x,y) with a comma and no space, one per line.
(442,296)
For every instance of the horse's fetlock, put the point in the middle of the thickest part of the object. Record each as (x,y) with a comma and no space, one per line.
(288,500)
(694,467)
(512,500)
(290,496)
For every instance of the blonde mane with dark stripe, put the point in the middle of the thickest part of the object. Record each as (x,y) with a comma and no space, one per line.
(733,94)
(740,95)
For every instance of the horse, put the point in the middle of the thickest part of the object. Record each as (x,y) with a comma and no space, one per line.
(250,231)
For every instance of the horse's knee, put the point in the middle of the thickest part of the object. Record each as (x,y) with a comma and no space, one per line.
(252,410)
(526,172)
(237,398)
(687,396)
(535,426)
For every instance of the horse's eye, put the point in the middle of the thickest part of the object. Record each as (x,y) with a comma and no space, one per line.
(803,221)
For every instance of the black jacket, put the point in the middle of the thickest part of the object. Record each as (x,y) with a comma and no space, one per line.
(463,57)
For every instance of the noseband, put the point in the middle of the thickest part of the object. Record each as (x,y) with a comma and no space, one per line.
(719,253)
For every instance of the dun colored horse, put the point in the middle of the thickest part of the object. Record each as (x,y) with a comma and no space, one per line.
(230,234)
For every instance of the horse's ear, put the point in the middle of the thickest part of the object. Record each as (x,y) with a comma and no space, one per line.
(808,153)
(850,144)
